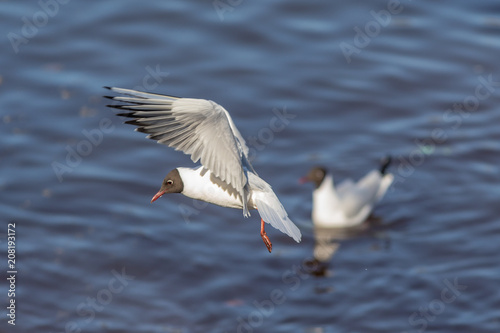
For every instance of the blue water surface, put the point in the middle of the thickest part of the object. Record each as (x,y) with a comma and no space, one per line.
(419,80)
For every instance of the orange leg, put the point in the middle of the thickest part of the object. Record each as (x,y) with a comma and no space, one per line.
(264,236)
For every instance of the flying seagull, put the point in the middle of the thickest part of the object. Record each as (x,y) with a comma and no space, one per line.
(204,130)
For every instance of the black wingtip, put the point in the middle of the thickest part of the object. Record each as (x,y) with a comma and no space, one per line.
(385,164)
(106,87)
(133,122)
(126,114)
(142,130)
(115,106)
(109,97)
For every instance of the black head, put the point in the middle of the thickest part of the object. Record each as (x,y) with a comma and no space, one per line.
(316,175)
(171,184)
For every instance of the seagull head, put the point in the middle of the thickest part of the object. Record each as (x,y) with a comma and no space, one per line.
(171,184)
(316,176)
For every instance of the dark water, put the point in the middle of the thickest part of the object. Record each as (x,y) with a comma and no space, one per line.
(77,182)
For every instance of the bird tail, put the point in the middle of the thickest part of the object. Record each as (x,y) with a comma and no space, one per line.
(385,164)
(271,211)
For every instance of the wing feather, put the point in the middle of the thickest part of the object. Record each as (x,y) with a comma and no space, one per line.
(198,127)
(361,194)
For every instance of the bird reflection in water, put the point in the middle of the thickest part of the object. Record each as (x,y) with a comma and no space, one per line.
(327,242)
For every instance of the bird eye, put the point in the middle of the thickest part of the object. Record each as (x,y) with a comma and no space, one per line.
(170,182)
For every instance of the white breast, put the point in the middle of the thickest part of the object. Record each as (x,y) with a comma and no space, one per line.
(326,205)
(200,184)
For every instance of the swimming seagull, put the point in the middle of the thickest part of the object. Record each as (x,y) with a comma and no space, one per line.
(205,130)
(348,204)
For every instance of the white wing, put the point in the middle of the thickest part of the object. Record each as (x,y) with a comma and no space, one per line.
(344,187)
(361,194)
(198,127)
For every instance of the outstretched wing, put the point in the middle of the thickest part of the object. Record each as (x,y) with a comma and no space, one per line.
(361,194)
(198,127)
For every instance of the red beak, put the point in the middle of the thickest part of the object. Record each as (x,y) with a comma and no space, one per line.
(303,180)
(157,195)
